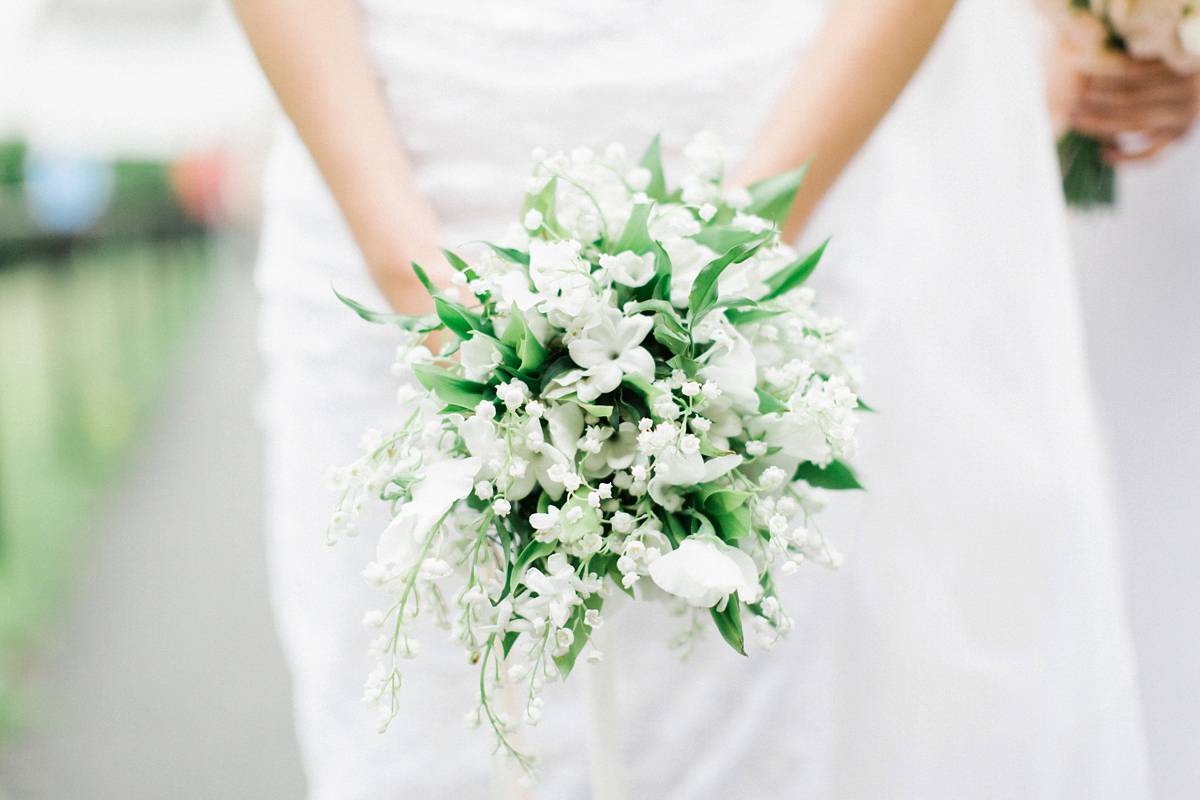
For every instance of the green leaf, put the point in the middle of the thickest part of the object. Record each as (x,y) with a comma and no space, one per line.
(641,385)
(601,412)
(722,501)
(772,197)
(864,407)
(457,262)
(671,340)
(729,623)
(636,236)
(424,279)
(452,389)
(515,256)
(457,318)
(510,639)
(838,475)
(421,324)
(768,403)
(531,552)
(580,629)
(738,317)
(544,202)
(721,239)
(652,161)
(734,525)
(524,342)
(704,290)
(532,354)
(517,330)
(674,529)
(795,274)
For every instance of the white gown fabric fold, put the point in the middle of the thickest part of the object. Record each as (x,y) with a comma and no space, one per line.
(974,643)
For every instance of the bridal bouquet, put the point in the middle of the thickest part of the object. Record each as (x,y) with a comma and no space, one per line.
(637,396)
(1168,30)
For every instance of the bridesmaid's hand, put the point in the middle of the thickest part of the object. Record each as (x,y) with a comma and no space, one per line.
(1136,108)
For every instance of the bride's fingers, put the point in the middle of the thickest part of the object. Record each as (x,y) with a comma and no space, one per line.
(1105,115)
(1150,145)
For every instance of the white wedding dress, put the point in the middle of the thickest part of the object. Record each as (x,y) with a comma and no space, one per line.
(973,645)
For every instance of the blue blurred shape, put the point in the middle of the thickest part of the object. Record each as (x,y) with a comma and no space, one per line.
(67,193)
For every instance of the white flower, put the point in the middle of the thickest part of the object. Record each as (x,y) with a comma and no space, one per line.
(479,356)
(444,484)
(703,570)
(705,155)
(501,507)
(555,590)
(629,268)
(738,197)
(612,349)
(513,394)
(533,220)
(733,370)
(638,179)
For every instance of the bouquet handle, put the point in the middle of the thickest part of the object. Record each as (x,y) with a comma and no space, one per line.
(603,722)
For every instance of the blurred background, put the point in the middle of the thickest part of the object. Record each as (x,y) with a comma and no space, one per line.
(137,655)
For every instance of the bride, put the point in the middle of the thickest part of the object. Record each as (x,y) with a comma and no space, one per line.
(974,645)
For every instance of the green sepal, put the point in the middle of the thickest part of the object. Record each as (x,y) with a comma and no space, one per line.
(768,403)
(794,274)
(772,197)
(652,160)
(729,623)
(452,389)
(838,475)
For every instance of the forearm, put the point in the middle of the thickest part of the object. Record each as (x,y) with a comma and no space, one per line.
(315,56)
(845,83)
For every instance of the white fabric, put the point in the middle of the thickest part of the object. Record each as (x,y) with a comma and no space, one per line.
(974,643)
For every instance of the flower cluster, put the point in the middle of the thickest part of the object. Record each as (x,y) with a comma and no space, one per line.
(638,391)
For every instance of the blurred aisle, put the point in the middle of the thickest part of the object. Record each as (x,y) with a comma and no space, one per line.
(165,679)
(1140,272)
